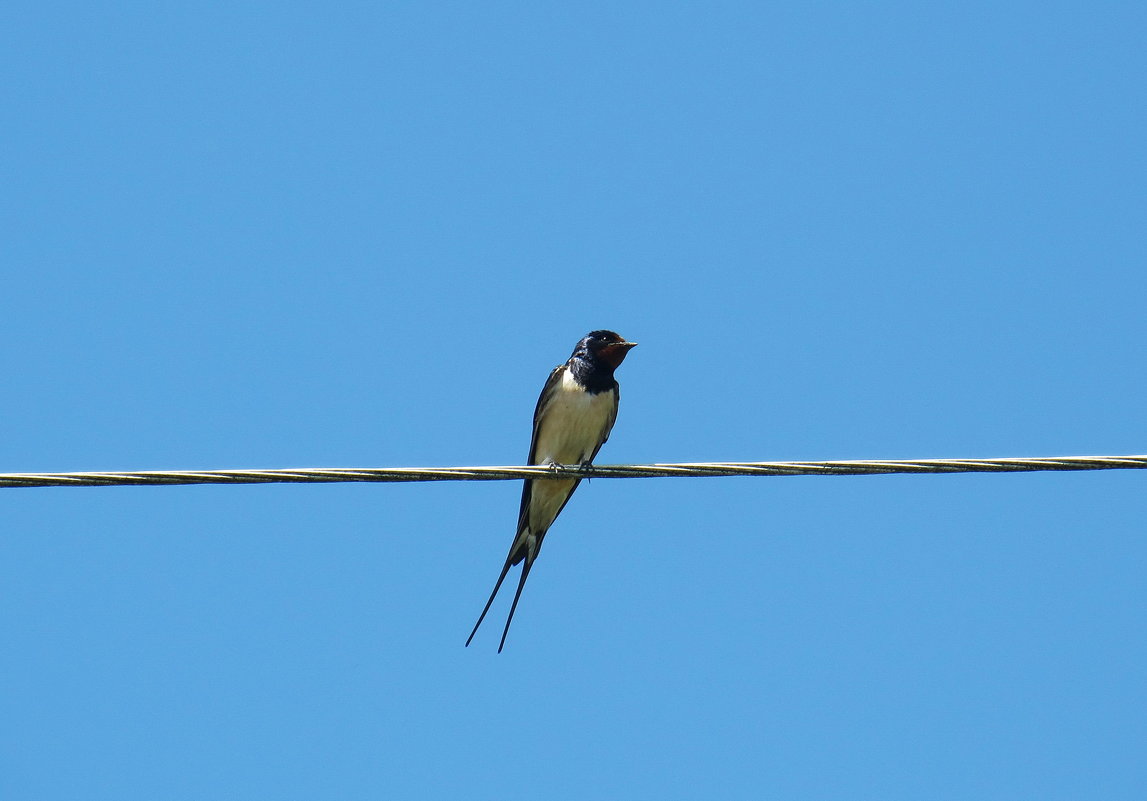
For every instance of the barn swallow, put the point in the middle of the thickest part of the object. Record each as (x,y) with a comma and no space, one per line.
(573,418)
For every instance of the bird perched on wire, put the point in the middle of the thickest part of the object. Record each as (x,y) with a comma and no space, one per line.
(573,418)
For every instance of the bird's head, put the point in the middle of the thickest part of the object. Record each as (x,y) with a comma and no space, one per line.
(604,346)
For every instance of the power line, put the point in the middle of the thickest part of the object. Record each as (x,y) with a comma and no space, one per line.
(680,470)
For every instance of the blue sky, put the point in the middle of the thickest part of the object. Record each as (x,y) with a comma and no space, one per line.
(268,235)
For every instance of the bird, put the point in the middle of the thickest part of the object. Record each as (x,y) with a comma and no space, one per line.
(573,418)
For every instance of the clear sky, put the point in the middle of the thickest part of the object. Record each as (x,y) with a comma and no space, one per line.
(255,234)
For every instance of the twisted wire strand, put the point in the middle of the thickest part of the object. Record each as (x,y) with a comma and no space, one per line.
(678,470)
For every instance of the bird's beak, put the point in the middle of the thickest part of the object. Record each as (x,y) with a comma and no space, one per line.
(614,353)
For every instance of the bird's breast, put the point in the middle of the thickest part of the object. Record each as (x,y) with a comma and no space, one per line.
(573,423)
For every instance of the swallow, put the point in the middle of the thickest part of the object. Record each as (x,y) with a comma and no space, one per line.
(573,418)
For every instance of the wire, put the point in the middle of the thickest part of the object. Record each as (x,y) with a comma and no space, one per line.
(681,470)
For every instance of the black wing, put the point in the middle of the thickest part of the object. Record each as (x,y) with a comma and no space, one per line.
(543,401)
(518,550)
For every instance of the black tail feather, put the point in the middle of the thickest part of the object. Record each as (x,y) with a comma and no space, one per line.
(526,565)
(485,609)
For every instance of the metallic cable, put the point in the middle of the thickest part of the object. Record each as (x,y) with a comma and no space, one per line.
(682,470)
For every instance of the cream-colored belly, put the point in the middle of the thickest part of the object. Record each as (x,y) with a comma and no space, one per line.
(573,424)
